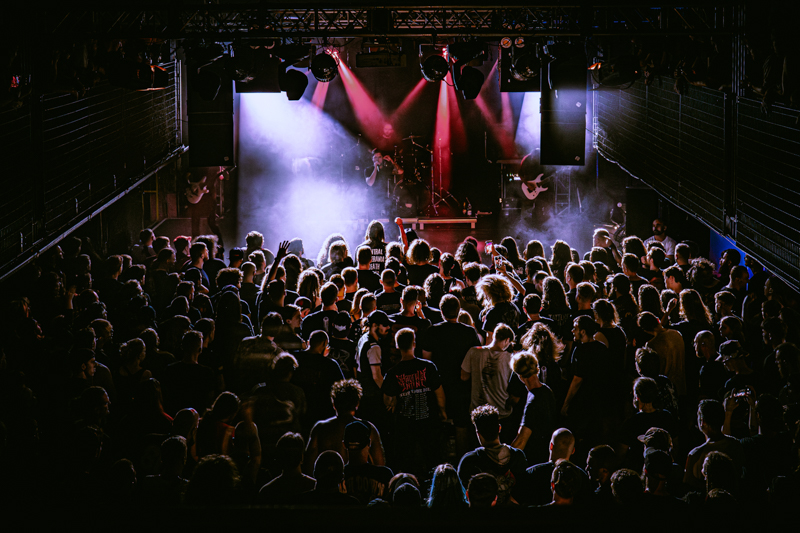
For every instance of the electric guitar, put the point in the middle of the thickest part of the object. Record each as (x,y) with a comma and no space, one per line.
(531,189)
(196,190)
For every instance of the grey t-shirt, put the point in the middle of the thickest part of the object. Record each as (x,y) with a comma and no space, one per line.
(490,372)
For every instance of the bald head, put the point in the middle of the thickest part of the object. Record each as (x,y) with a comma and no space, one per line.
(562,444)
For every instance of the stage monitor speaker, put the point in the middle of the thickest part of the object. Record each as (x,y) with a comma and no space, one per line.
(641,208)
(563,142)
(210,128)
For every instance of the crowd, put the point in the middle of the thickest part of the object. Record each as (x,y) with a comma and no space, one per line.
(394,374)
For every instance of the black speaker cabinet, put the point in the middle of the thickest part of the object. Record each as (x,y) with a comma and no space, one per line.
(210,128)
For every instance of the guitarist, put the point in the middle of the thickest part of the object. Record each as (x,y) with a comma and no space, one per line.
(202,200)
(537,186)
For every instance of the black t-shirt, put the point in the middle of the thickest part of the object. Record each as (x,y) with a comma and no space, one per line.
(367,279)
(389,302)
(343,351)
(563,322)
(540,417)
(316,374)
(432,314)
(378,262)
(413,382)
(419,325)
(504,312)
(590,361)
(448,343)
(537,485)
(187,385)
(320,320)
(367,481)
(417,274)
(510,474)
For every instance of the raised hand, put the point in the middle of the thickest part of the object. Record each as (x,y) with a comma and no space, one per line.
(283,250)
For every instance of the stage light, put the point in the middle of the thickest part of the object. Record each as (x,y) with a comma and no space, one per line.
(434,68)
(526,67)
(519,42)
(506,42)
(324,67)
(470,82)
(293,83)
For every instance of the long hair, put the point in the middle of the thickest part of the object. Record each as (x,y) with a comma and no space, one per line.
(513,250)
(561,256)
(693,308)
(322,256)
(494,289)
(553,298)
(634,245)
(534,249)
(650,300)
(419,252)
(308,286)
(447,492)
(467,253)
(543,343)
(605,311)
(375,232)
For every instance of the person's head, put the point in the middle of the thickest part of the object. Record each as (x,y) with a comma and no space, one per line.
(674,278)
(482,491)
(705,345)
(254,240)
(584,328)
(356,440)
(419,252)
(729,258)
(526,366)
(379,324)
(693,308)
(215,482)
(720,472)
(543,343)
(627,487)
(710,417)
(622,287)
(375,232)
(773,331)
(328,294)
(83,362)
(659,227)
(283,366)
(566,481)
(173,455)
(224,407)
(191,345)
(724,303)
(533,249)
(388,279)
(682,254)
(585,295)
(574,274)
(450,306)
(601,464)
(731,328)
(645,393)
(787,357)
(132,352)
(502,336)
(553,295)
(289,451)
(328,470)
(532,304)
(562,444)
(486,419)
(198,251)
(229,276)
(318,341)
(605,313)
(630,265)
(433,288)
(364,256)
(405,341)
(647,362)
(648,322)
(346,395)
(446,492)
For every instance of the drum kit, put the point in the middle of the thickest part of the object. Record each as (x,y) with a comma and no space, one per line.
(416,191)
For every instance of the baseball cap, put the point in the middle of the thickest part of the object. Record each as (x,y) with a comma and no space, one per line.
(341,322)
(356,435)
(380,318)
(235,254)
(657,463)
(730,350)
(656,438)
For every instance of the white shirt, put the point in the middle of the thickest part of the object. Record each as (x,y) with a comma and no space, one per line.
(668,242)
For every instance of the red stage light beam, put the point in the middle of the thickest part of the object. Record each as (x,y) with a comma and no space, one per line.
(408,100)
(320,92)
(441,144)
(366,110)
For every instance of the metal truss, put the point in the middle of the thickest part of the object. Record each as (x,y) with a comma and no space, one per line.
(227,21)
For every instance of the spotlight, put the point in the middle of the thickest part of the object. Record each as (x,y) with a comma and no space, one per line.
(470,82)
(324,67)
(505,42)
(294,83)
(526,67)
(434,68)
(519,42)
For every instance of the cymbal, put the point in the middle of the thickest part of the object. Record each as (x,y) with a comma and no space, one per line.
(413,137)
